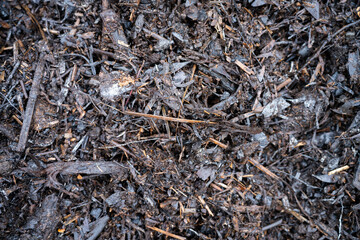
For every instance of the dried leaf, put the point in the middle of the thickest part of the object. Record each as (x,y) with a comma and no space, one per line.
(275,107)
(313,7)
(353,65)
(205,172)
(327,178)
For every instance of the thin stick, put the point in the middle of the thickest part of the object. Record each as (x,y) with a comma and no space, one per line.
(166,233)
(186,89)
(338,170)
(202,201)
(283,84)
(263,169)
(154,35)
(220,144)
(17,64)
(31,105)
(171,119)
(104,6)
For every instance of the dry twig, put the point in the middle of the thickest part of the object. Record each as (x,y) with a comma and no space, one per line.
(166,233)
(31,104)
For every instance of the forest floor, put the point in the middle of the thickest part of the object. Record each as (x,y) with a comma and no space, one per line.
(146,119)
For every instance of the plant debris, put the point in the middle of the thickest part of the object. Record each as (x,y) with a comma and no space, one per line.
(193,119)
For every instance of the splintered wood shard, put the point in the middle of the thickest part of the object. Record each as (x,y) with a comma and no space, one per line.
(31,105)
(244,67)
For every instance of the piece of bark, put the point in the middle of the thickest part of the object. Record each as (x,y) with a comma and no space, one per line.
(113,28)
(98,227)
(356,181)
(43,223)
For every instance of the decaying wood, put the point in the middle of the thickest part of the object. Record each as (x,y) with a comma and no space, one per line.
(68,168)
(113,28)
(45,219)
(253,208)
(98,227)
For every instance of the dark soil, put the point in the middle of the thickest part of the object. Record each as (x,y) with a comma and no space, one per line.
(194,119)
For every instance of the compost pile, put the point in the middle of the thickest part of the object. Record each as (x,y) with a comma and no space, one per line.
(179,119)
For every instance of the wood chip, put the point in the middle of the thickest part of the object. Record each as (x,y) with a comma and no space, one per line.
(244,67)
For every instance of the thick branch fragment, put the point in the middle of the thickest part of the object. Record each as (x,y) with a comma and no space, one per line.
(68,168)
